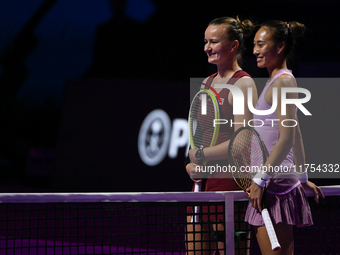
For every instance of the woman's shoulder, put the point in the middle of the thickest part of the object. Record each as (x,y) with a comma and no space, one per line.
(245,82)
(283,73)
(284,80)
(241,74)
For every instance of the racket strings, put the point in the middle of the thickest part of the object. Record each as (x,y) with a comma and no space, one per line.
(246,154)
(202,125)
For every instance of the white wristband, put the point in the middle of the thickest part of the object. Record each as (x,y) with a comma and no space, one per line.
(261,178)
(303,177)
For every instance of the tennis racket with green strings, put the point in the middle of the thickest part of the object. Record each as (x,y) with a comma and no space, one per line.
(203,133)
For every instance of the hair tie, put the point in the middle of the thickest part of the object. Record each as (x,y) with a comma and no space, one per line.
(288,25)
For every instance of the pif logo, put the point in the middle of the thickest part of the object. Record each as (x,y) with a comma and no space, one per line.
(158,138)
(238,100)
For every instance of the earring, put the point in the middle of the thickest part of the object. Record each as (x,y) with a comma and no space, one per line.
(279,52)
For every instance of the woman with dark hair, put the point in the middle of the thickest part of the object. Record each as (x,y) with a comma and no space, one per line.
(224,39)
(286,201)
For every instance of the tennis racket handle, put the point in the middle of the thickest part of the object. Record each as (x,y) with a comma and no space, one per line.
(270,230)
(197,187)
(196,218)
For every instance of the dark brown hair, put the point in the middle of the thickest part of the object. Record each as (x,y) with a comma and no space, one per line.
(282,31)
(236,30)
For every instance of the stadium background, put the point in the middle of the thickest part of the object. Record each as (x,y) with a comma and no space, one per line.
(79,77)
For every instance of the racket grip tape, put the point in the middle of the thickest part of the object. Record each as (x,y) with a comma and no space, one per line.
(195,217)
(270,230)
(198,186)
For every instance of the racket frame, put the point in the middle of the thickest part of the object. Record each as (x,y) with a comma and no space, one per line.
(262,145)
(217,116)
(198,187)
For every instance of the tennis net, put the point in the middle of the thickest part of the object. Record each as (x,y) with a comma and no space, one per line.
(148,223)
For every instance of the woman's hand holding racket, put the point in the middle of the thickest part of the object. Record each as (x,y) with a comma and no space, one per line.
(255,193)
(194,175)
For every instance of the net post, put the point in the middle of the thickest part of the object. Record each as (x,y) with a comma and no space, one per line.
(229,223)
